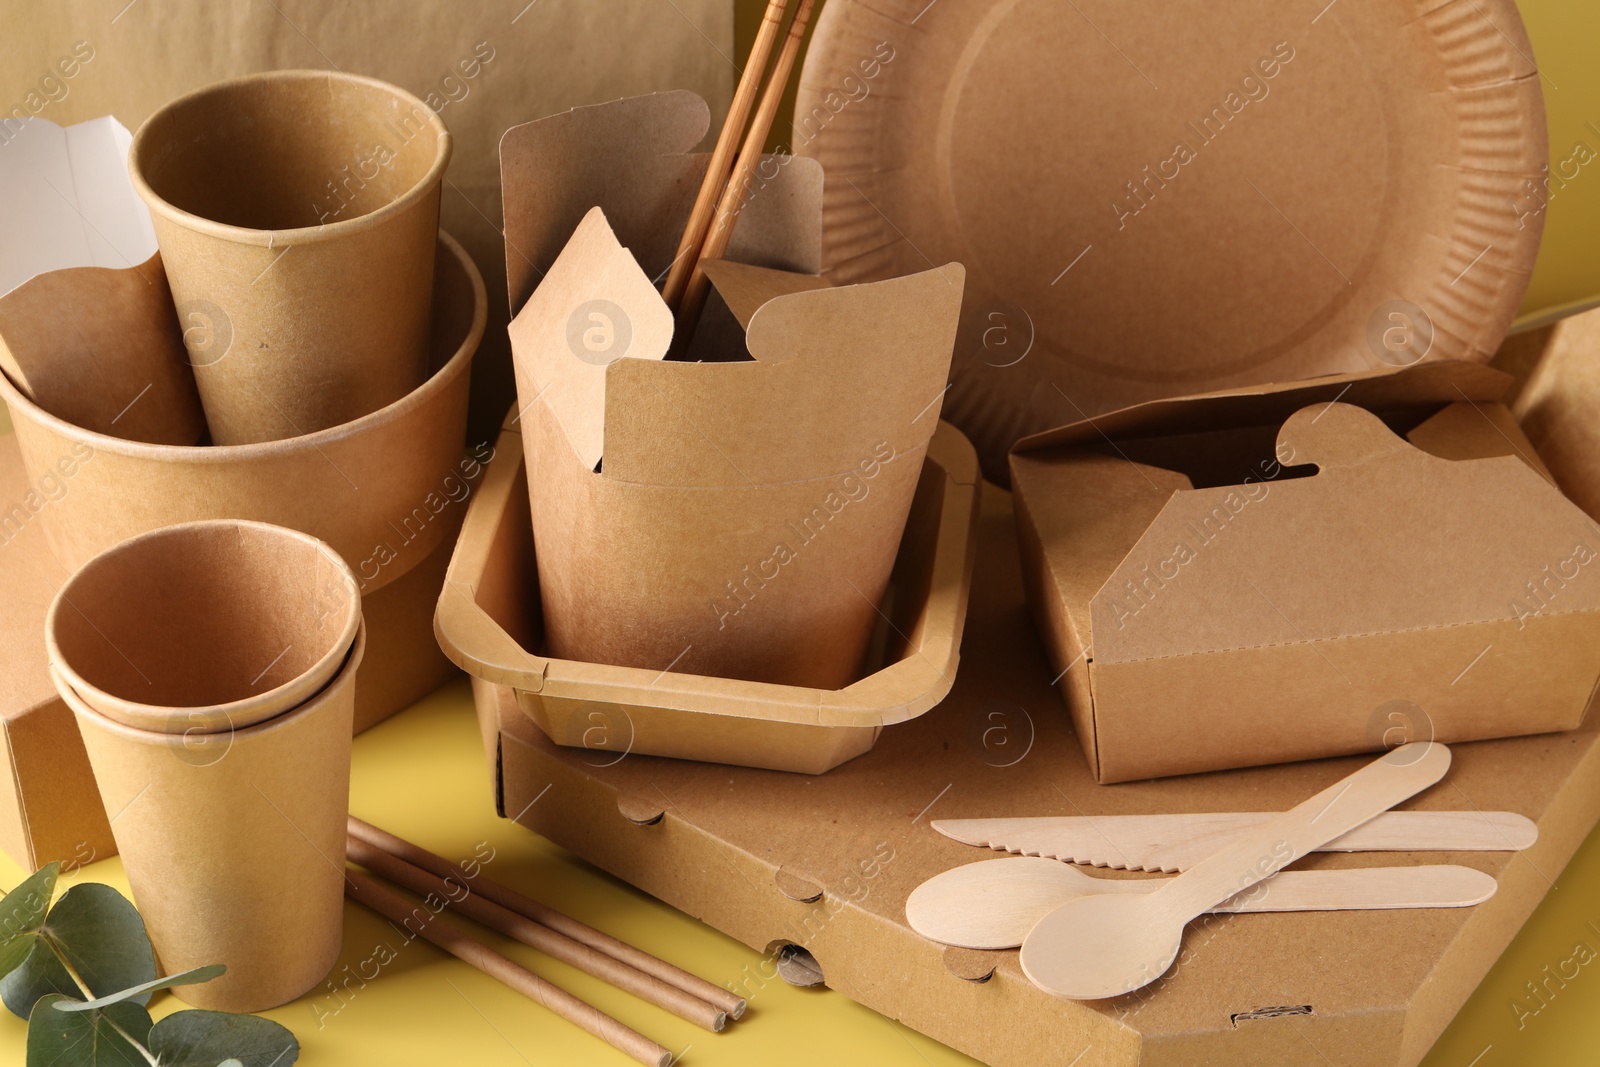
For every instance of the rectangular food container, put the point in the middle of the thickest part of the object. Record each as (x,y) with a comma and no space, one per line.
(488,623)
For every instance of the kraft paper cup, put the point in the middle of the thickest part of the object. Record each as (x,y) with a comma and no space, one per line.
(209,625)
(296,214)
(234,841)
(381,490)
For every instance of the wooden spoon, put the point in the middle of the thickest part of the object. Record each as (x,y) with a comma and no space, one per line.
(992,904)
(1109,944)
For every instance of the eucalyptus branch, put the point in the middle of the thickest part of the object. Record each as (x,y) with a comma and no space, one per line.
(66,964)
(130,1039)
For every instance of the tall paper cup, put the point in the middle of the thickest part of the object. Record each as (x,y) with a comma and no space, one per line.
(296,213)
(234,841)
(221,624)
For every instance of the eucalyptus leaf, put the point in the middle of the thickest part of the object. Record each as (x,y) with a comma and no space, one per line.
(210,1038)
(189,977)
(87,1039)
(22,912)
(98,931)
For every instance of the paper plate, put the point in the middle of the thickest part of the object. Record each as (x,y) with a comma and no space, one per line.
(1154,200)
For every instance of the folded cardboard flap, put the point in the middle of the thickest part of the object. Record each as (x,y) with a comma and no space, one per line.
(835,373)
(1306,592)
(1383,538)
(594,309)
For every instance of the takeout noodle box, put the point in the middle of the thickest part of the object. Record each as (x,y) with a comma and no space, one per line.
(296,213)
(233,841)
(1306,570)
(735,517)
(489,623)
(745,515)
(232,622)
(373,489)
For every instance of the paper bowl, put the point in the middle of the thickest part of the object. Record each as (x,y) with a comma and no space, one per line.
(296,213)
(204,626)
(369,488)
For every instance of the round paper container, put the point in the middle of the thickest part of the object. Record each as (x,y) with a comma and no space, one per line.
(296,213)
(234,842)
(374,489)
(204,626)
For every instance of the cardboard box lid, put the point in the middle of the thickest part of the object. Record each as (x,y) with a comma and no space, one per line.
(828,862)
(833,370)
(1143,214)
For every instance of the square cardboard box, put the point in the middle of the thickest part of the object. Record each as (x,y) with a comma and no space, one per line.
(1306,570)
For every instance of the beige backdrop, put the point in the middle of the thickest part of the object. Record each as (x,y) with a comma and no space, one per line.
(484,64)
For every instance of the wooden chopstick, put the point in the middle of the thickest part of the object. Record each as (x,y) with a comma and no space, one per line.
(744,97)
(432,928)
(511,900)
(535,935)
(733,197)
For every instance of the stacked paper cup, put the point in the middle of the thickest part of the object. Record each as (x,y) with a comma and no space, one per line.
(211,664)
(211,667)
(297,214)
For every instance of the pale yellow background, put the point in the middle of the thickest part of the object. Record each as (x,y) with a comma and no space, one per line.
(423,775)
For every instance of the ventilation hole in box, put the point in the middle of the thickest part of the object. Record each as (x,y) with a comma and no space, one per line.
(969,964)
(640,810)
(795,965)
(1271,1013)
